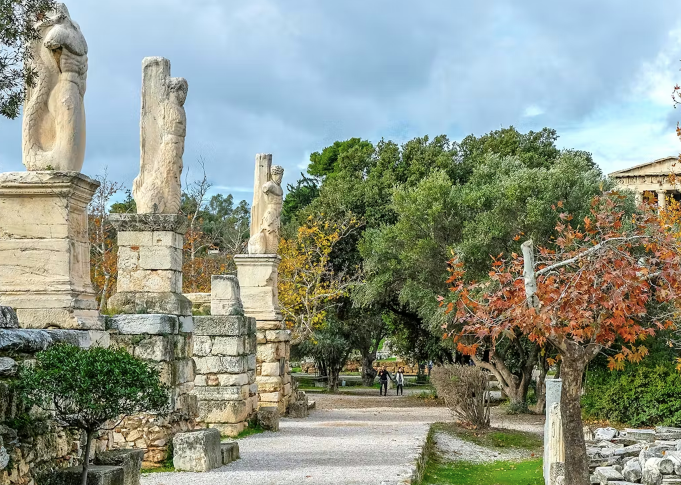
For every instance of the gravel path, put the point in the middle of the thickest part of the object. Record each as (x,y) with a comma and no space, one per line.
(370,446)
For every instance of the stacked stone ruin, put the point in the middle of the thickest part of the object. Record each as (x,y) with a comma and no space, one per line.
(46,296)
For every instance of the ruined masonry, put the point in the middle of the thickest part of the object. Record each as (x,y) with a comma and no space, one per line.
(224,354)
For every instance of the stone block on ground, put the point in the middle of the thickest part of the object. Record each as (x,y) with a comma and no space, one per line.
(298,409)
(151,324)
(229,430)
(130,460)
(608,474)
(197,451)
(230,451)
(96,475)
(268,417)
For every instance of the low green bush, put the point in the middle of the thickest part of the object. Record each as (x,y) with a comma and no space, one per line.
(648,394)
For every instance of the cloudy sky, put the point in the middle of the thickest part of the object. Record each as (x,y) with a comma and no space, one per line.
(289,77)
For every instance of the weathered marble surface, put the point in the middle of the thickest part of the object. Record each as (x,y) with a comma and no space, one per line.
(268,198)
(53,131)
(225,297)
(163,126)
(45,249)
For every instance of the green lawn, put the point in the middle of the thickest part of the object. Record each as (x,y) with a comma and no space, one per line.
(494,438)
(496,473)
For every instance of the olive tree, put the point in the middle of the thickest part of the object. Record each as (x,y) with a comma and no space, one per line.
(86,388)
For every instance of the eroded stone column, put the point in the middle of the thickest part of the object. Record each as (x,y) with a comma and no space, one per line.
(257,275)
(661,199)
(553,436)
(45,249)
(224,353)
(150,264)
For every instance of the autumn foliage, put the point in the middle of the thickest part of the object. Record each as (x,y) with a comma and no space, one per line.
(308,285)
(609,282)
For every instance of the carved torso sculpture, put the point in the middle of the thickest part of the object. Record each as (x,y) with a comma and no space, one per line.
(266,211)
(163,126)
(53,131)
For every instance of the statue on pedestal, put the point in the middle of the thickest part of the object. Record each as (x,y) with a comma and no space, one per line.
(163,126)
(268,197)
(53,130)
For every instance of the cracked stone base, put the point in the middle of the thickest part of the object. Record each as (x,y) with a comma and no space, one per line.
(141,303)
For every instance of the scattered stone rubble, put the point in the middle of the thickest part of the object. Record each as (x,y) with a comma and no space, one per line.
(646,456)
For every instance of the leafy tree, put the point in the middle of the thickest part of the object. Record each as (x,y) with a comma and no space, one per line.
(103,248)
(330,345)
(298,197)
(127,206)
(594,286)
(307,283)
(17,32)
(86,388)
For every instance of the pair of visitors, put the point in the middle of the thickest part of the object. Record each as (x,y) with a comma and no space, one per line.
(383,377)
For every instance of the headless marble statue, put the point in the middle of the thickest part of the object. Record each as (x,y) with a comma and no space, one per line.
(53,131)
(163,126)
(266,211)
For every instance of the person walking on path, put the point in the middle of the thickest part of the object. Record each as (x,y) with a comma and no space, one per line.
(399,380)
(383,377)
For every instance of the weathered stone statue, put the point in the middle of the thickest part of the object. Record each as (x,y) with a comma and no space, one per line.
(163,126)
(267,202)
(53,129)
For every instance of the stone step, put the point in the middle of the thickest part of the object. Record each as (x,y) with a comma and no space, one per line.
(130,460)
(230,451)
(96,475)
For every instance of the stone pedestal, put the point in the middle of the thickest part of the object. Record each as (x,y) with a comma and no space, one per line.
(150,264)
(553,390)
(45,249)
(224,354)
(257,275)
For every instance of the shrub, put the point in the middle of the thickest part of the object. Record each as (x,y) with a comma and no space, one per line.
(637,396)
(85,388)
(464,389)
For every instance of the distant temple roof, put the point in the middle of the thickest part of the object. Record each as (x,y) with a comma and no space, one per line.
(661,166)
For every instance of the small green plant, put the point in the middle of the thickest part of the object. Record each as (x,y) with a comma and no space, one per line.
(49,167)
(253,428)
(85,388)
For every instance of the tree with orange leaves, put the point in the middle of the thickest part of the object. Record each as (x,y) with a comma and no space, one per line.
(592,289)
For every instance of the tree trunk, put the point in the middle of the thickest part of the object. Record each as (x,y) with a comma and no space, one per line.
(576,461)
(86,457)
(103,302)
(513,386)
(368,371)
(333,379)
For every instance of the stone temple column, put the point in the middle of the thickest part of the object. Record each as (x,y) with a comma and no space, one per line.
(45,249)
(257,275)
(661,199)
(553,442)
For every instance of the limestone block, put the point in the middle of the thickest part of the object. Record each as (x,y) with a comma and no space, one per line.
(270,397)
(640,434)
(252,325)
(269,384)
(608,474)
(220,393)
(183,345)
(219,365)
(260,336)
(203,345)
(253,389)
(160,257)
(230,452)
(251,362)
(278,335)
(268,417)
(80,338)
(605,434)
(24,340)
(270,369)
(130,460)
(197,451)
(170,303)
(260,302)
(152,324)
(200,380)
(287,389)
(233,379)
(269,324)
(251,344)
(168,239)
(155,347)
(186,324)
(220,325)
(651,474)
(224,411)
(228,346)
(8,366)
(632,471)
(134,238)
(251,375)
(225,295)
(8,317)
(187,404)
(96,475)
(269,352)
(183,371)
(176,223)
(230,430)
(165,372)
(298,409)
(149,280)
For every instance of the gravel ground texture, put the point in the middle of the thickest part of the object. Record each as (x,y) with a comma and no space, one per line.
(368,446)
